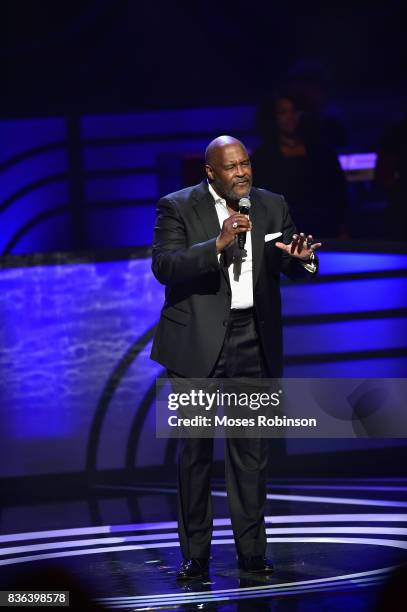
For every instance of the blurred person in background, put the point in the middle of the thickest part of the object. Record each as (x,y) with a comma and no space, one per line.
(295,159)
(391,176)
(312,80)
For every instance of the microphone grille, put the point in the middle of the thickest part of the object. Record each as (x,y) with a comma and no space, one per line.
(245,203)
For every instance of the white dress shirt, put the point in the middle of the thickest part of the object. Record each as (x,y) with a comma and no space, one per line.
(240,270)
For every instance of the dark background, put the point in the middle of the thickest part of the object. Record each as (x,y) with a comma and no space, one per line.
(103,55)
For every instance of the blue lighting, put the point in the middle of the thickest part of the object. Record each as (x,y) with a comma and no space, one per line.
(139,155)
(370,368)
(346,336)
(41,200)
(41,166)
(67,329)
(341,263)
(21,134)
(128,226)
(344,296)
(123,188)
(186,121)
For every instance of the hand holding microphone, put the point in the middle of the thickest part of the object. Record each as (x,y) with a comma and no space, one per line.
(235,225)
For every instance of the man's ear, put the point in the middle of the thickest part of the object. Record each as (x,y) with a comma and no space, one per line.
(209,172)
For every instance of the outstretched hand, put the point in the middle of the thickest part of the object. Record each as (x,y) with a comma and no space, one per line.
(300,247)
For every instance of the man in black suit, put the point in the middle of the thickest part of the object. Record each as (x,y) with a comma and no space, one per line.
(222,319)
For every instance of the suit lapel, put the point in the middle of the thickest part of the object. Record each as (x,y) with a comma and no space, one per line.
(206,211)
(258,218)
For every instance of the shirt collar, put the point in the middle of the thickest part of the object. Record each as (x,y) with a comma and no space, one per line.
(216,197)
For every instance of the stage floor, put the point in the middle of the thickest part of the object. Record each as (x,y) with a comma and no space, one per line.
(335,543)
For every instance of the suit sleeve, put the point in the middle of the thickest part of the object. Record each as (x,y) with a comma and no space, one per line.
(292,267)
(174,261)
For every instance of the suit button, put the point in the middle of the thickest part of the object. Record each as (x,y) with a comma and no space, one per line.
(225,323)
(229,294)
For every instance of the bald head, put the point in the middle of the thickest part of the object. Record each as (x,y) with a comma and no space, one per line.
(215,147)
(228,168)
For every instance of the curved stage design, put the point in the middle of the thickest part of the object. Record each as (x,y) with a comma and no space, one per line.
(333,543)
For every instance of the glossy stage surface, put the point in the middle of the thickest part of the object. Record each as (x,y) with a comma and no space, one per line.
(335,544)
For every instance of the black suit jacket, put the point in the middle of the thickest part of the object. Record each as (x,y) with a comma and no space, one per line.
(194,317)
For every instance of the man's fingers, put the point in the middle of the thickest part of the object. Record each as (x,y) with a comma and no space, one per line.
(301,241)
(315,246)
(239,217)
(299,244)
(240,228)
(294,243)
(239,223)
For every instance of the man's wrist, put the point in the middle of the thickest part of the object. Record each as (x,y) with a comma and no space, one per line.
(219,246)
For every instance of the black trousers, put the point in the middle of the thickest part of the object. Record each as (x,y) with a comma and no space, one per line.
(246,460)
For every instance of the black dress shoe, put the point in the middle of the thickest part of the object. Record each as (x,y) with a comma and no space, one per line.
(255,565)
(193,568)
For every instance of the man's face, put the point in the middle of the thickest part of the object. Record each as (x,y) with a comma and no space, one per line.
(230,172)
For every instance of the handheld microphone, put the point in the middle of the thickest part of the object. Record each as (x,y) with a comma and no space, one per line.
(244,207)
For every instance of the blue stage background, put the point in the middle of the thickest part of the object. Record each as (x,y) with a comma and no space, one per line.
(86,181)
(77,382)
(99,175)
